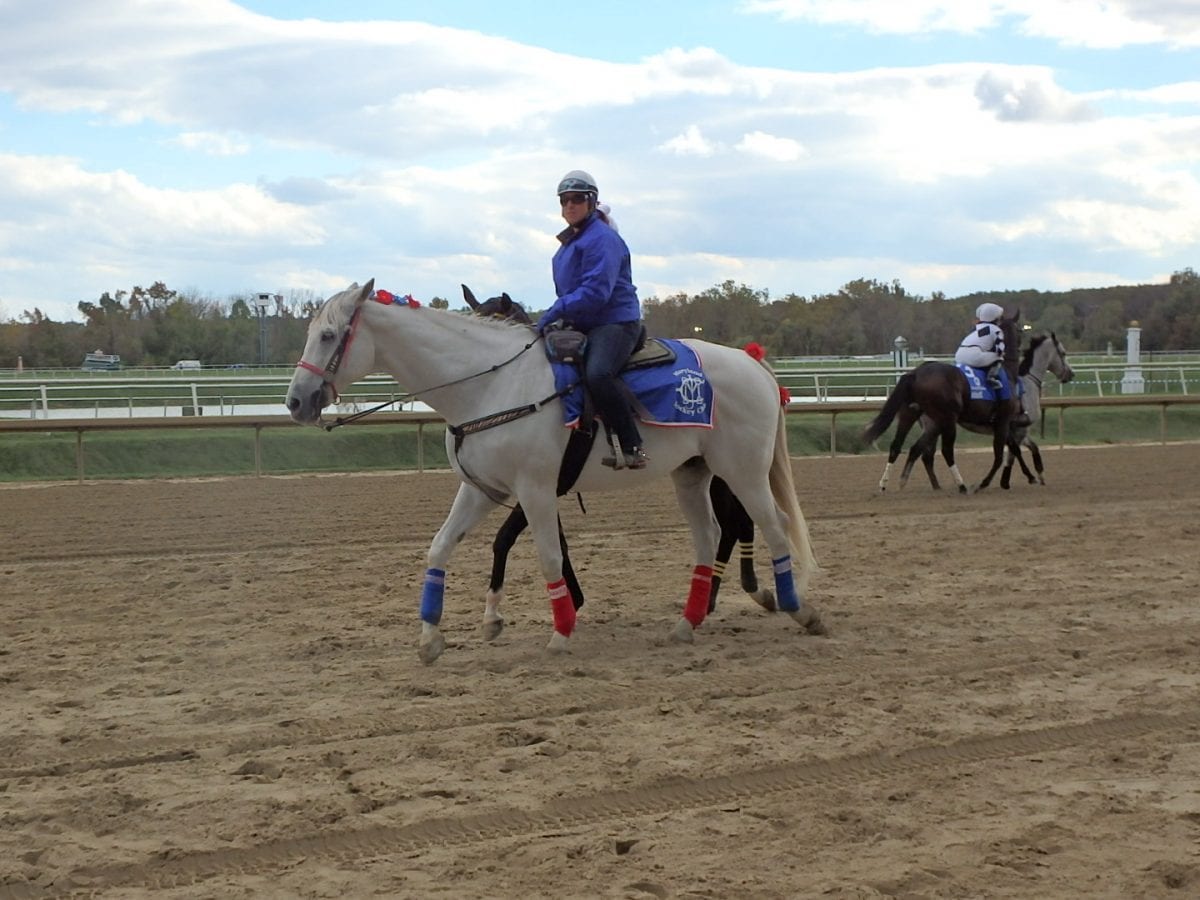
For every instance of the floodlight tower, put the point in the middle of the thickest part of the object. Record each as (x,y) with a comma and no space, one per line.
(262,303)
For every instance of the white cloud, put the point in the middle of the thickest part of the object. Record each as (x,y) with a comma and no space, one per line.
(1090,23)
(690,143)
(768,146)
(1021,99)
(211,144)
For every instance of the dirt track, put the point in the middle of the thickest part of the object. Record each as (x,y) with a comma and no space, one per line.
(211,689)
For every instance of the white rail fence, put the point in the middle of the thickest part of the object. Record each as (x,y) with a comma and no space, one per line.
(1055,408)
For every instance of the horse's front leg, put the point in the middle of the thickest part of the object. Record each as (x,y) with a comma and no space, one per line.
(493,621)
(1014,456)
(1037,459)
(506,537)
(469,507)
(691,490)
(541,509)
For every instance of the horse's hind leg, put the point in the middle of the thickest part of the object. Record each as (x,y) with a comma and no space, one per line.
(737,530)
(949,437)
(691,490)
(725,547)
(469,507)
(904,422)
(927,461)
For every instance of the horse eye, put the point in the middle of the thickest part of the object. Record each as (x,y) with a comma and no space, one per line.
(327,334)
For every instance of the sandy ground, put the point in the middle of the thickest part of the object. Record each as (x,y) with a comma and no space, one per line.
(211,689)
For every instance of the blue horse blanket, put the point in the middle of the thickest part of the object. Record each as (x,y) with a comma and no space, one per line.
(675,394)
(981,390)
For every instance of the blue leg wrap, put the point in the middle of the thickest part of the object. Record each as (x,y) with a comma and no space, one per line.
(431,596)
(785,587)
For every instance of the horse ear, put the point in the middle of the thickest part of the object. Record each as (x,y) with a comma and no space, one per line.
(365,292)
(1017,316)
(506,302)
(470,297)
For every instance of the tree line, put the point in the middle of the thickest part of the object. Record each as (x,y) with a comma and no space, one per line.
(157,326)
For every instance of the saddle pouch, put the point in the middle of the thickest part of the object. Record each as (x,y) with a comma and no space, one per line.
(565,345)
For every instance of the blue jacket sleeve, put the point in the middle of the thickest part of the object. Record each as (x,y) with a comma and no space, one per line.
(599,264)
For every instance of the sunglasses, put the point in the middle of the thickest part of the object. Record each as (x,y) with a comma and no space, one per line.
(564,199)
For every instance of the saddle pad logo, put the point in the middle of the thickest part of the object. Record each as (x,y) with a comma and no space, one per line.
(981,390)
(690,399)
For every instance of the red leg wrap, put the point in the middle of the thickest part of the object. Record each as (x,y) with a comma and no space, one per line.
(562,607)
(697,601)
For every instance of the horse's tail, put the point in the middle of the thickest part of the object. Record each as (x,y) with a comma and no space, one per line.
(783,489)
(899,398)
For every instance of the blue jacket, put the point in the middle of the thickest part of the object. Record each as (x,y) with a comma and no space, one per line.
(593,278)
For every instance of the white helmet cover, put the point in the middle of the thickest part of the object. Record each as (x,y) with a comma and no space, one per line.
(989,312)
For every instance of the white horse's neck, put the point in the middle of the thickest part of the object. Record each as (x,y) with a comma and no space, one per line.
(446,359)
(1040,363)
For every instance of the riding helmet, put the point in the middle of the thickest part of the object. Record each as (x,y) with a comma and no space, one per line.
(580,181)
(989,312)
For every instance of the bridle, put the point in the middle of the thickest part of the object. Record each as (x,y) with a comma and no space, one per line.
(326,374)
(339,353)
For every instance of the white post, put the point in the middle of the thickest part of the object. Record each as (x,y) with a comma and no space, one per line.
(1133,382)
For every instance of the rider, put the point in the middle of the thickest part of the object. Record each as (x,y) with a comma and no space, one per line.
(983,348)
(596,295)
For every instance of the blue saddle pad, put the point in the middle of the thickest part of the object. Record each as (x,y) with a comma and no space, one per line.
(981,390)
(677,393)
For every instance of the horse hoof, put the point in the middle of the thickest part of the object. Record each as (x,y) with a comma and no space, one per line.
(558,643)
(810,620)
(431,647)
(766,599)
(683,632)
(492,629)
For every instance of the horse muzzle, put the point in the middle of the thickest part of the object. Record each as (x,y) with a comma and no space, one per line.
(306,409)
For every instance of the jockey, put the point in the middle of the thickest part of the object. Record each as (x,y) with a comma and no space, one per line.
(983,348)
(596,295)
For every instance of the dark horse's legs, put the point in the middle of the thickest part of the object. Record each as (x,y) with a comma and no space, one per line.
(507,536)
(737,528)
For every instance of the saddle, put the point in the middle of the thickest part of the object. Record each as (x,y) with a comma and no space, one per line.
(566,345)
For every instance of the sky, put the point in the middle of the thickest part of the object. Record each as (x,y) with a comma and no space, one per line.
(297,146)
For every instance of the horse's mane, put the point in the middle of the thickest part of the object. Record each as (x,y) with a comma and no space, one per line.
(492,321)
(1027,359)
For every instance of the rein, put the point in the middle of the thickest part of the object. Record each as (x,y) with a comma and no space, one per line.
(343,347)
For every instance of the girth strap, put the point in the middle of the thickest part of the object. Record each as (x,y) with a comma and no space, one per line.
(492,420)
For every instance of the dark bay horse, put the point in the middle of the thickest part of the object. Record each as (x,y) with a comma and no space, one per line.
(938,395)
(737,528)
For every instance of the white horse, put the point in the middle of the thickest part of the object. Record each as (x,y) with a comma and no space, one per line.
(1045,353)
(491,381)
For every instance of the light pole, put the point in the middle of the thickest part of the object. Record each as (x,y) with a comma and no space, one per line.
(262,303)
